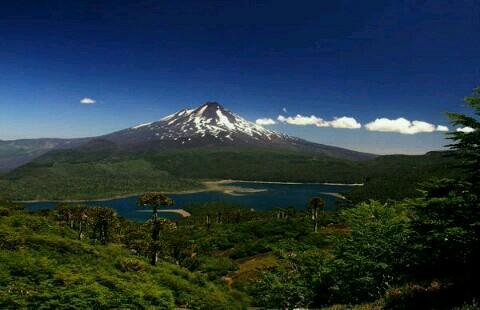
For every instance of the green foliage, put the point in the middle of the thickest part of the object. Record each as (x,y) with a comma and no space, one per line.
(216,266)
(467,144)
(45,266)
(446,225)
(367,261)
(301,280)
(154,200)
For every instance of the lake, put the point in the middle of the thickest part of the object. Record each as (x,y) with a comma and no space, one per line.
(275,196)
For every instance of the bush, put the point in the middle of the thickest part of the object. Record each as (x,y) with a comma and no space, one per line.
(131,264)
(5,211)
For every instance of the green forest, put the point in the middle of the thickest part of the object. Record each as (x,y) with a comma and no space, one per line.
(380,252)
(75,174)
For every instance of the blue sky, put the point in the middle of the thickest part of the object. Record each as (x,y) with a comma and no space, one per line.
(141,60)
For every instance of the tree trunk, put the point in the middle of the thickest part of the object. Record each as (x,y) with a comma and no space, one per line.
(80,231)
(154,258)
(155,238)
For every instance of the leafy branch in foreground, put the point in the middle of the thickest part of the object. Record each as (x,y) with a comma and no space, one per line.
(467,139)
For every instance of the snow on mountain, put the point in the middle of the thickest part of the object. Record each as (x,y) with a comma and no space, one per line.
(210,122)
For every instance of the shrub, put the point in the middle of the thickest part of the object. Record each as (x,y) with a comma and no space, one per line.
(131,264)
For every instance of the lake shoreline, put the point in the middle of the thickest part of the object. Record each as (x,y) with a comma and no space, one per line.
(209,186)
(228,181)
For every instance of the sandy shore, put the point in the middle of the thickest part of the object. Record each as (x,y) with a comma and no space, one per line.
(220,186)
(290,183)
(336,195)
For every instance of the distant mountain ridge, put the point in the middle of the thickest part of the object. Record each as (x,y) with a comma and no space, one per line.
(14,153)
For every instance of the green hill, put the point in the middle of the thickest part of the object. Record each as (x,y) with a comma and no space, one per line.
(44,266)
(398,176)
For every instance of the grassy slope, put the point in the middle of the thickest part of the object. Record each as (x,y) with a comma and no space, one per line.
(44,266)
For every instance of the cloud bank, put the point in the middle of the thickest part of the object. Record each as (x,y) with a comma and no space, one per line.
(400,125)
(337,122)
(87,101)
(403,126)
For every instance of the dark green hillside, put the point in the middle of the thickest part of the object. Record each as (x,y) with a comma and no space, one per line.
(399,176)
(77,174)
(256,164)
(96,179)
(44,265)
(218,163)
(105,172)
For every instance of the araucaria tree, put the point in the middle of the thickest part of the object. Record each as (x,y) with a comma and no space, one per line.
(155,201)
(315,205)
(102,221)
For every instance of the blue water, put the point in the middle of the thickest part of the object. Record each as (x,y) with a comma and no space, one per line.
(276,196)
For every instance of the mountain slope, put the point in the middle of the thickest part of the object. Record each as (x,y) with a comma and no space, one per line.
(211,125)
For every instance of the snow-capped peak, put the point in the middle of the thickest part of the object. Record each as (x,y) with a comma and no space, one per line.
(209,121)
(211,125)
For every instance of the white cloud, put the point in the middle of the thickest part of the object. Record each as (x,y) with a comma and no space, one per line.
(345,122)
(442,128)
(337,122)
(403,126)
(265,121)
(284,110)
(399,125)
(465,129)
(303,120)
(87,101)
